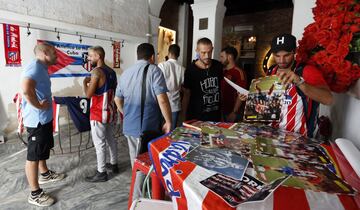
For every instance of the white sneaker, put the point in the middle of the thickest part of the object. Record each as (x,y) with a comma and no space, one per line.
(43,199)
(52,177)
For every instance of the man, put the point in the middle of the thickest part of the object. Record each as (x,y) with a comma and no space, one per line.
(100,88)
(306,88)
(128,101)
(38,116)
(230,102)
(201,99)
(174,77)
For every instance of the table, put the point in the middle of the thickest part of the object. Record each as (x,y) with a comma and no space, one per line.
(181,179)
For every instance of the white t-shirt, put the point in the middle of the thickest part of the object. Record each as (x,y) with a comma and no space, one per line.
(174,77)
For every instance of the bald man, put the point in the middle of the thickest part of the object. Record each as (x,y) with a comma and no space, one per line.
(37,113)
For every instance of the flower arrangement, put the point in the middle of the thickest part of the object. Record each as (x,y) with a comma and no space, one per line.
(331,42)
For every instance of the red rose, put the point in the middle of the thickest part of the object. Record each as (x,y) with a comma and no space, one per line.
(320,57)
(332,47)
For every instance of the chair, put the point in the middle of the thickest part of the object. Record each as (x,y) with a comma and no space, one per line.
(147,204)
(142,163)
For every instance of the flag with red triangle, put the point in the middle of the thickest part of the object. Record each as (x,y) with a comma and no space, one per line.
(72,60)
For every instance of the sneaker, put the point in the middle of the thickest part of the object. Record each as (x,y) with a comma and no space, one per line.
(113,168)
(52,177)
(43,199)
(98,177)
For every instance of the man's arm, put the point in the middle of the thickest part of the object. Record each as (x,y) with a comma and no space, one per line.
(91,83)
(119,104)
(320,94)
(28,87)
(185,102)
(165,110)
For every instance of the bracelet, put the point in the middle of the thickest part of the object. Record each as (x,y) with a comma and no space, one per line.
(300,82)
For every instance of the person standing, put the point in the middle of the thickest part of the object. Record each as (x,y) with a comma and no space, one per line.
(202,94)
(174,77)
(38,120)
(128,100)
(100,88)
(232,106)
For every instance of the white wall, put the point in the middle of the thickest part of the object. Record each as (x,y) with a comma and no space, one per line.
(120,16)
(345,113)
(67,16)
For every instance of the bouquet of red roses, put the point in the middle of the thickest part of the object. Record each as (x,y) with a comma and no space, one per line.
(333,41)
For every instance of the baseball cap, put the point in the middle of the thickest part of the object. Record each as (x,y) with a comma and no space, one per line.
(286,42)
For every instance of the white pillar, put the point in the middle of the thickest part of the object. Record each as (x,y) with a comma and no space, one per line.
(182,32)
(214,11)
(153,32)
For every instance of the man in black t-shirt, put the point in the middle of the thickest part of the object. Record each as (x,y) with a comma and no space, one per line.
(201,99)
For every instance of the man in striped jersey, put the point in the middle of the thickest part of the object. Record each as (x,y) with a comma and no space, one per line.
(100,88)
(306,88)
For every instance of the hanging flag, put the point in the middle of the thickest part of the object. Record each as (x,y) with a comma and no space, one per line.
(72,60)
(12,44)
(116,49)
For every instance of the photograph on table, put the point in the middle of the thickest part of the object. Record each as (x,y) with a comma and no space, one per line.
(236,192)
(304,175)
(219,160)
(297,152)
(194,137)
(197,124)
(265,99)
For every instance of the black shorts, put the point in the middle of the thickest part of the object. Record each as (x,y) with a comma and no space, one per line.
(40,141)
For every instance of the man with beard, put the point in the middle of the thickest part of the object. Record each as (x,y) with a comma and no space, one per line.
(305,88)
(100,88)
(201,99)
(38,115)
(231,105)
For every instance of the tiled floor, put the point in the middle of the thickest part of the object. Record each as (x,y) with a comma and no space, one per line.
(71,193)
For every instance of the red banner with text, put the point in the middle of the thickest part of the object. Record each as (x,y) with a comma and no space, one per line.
(12,44)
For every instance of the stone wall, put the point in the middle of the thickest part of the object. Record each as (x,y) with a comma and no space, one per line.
(265,25)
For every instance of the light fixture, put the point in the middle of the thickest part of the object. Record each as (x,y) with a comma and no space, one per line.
(266,60)
(252,39)
(28,30)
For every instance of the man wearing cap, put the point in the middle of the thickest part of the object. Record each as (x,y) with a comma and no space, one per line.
(306,88)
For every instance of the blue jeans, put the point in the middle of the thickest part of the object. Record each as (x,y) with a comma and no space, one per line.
(175,117)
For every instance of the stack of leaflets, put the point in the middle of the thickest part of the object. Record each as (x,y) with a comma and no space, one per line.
(265,99)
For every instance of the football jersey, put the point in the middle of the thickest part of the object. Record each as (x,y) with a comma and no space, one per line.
(102,105)
(79,110)
(299,113)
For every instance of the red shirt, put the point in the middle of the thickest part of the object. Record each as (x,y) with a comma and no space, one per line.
(228,93)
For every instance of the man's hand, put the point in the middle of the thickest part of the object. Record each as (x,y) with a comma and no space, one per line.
(242,97)
(288,77)
(166,127)
(86,81)
(44,104)
(231,117)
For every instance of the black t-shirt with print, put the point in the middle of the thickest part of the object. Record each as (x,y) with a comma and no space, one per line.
(204,85)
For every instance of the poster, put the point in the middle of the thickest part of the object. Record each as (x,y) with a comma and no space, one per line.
(72,60)
(12,45)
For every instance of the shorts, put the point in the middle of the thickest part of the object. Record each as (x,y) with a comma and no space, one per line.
(40,141)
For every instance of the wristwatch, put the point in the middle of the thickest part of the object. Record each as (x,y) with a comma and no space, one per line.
(301,81)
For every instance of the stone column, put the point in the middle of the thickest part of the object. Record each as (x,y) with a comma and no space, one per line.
(208,22)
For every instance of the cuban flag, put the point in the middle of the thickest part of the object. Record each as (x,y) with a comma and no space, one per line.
(72,60)
(182,178)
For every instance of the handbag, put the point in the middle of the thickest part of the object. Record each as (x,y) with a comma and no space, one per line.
(147,135)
